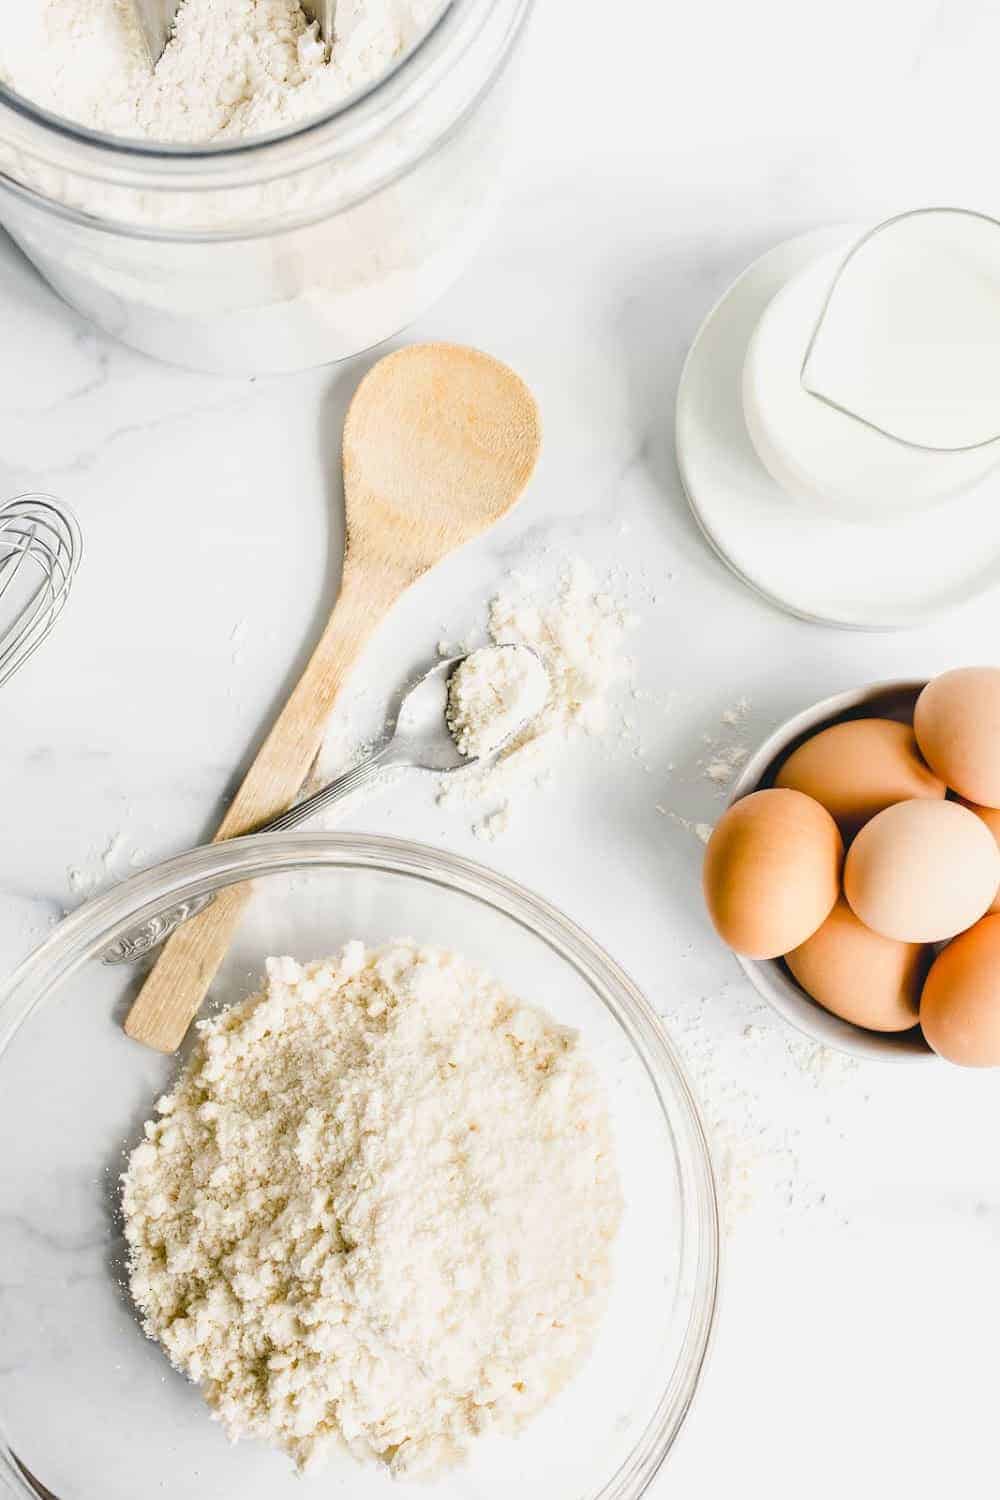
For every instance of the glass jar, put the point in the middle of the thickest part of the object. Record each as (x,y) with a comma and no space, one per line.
(289,250)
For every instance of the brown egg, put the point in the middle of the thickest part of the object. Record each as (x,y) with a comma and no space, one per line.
(991,817)
(957,724)
(859,975)
(960,1006)
(922,871)
(857,768)
(772,872)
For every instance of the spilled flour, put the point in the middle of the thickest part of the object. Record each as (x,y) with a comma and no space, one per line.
(727,751)
(778,1107)
(722,753)
(375,1214)
(579,634)
(98,871)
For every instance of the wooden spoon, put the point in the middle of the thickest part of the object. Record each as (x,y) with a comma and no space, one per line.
(439,443)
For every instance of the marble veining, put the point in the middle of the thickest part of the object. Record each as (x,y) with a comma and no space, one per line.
(862,1248)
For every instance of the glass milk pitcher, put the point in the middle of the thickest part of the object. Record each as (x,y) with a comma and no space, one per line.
(871,385)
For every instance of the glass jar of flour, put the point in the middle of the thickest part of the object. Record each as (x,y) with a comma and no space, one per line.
(285,250)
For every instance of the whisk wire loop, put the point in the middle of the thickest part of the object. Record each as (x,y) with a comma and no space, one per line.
(40,550)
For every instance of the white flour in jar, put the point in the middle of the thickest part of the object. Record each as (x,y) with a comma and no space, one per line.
(233,68)
(376,1211)
(254,265)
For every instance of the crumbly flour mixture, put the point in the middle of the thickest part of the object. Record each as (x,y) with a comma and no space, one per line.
(579,634)
(234,68)
(492,694)
(376,1212)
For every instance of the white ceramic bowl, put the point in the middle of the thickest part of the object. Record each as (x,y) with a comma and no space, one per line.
(770,977)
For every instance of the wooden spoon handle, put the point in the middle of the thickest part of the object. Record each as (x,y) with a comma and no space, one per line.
(176,987)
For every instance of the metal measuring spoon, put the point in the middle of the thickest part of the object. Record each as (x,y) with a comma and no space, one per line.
(156,21)
(416,736)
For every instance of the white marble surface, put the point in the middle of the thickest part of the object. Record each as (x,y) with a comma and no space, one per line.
(660,149)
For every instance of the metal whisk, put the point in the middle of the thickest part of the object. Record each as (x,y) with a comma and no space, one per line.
(40,550)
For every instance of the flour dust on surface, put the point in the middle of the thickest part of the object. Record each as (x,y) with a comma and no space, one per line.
(579,631)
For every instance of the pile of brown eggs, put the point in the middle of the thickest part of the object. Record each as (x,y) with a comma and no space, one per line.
(917,809)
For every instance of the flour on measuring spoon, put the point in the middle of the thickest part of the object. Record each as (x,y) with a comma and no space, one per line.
(493,694)
(579,634)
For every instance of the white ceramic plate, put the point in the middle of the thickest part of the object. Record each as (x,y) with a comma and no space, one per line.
(833,572)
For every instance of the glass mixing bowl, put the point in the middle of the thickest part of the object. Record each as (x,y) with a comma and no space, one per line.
(91,1410)
(284,251)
